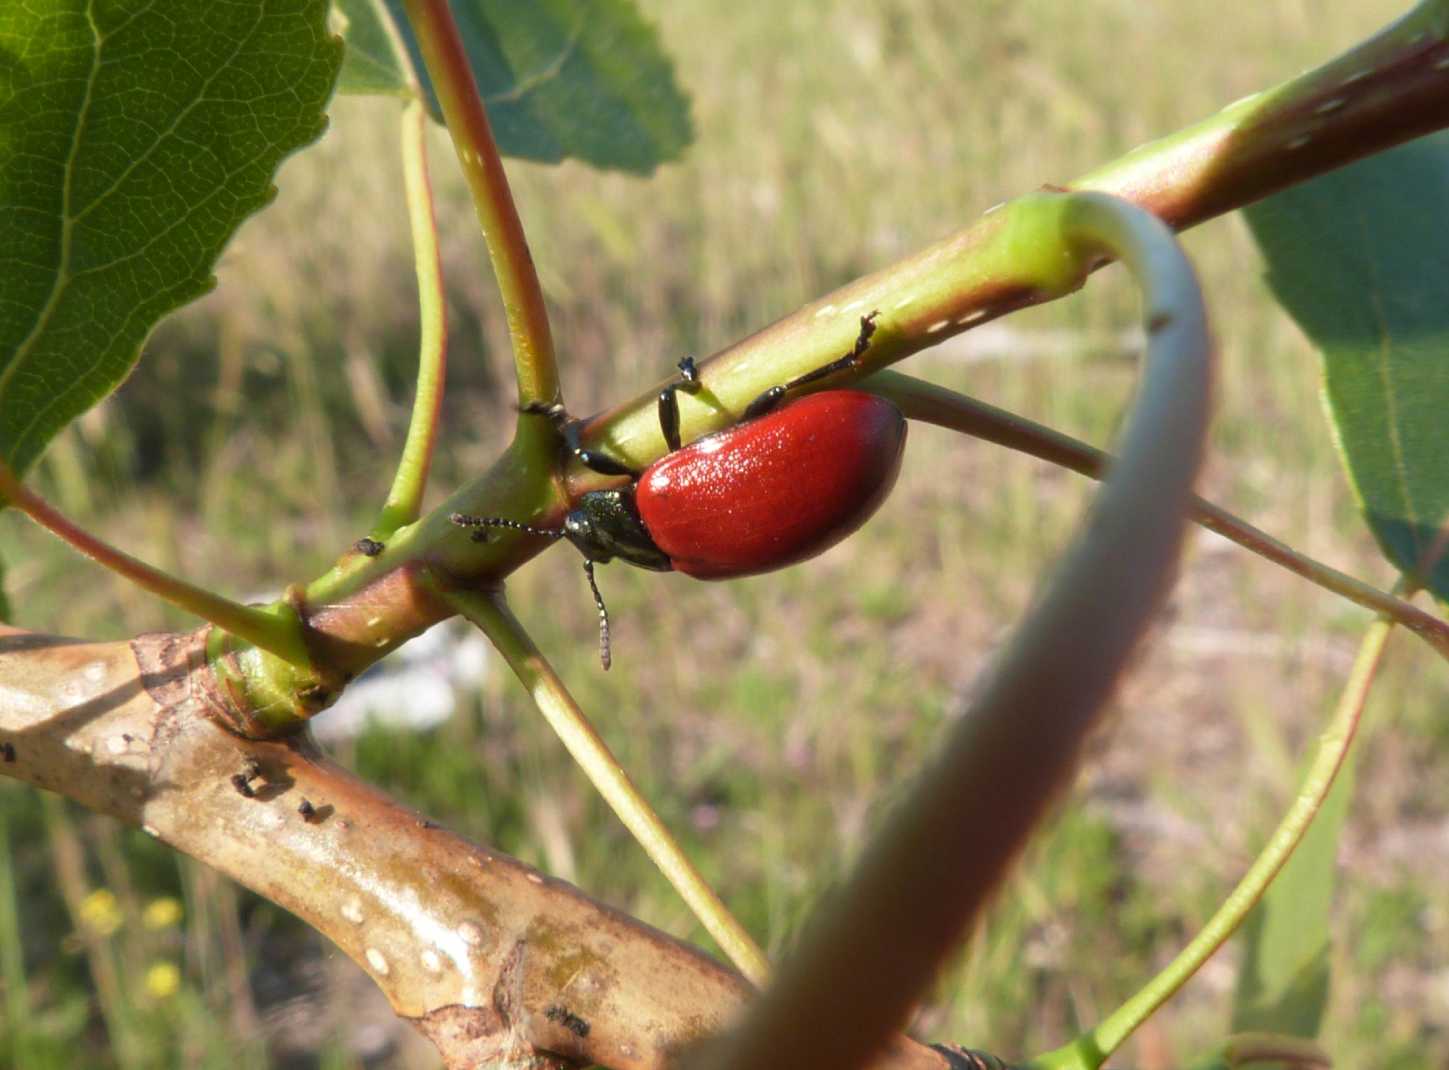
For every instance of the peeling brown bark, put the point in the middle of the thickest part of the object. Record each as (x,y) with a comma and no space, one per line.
(491,959)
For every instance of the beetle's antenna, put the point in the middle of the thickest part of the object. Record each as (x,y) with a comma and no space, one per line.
(605,655)
(482,523)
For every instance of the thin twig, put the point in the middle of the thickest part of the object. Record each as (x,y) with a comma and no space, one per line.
(490,613)
(937,405)
(1092,1048)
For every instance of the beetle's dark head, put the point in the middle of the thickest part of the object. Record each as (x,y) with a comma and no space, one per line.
(605,525)
(578,528)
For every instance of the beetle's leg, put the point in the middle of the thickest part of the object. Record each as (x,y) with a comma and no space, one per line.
(570,428)
(771,398)
(596,462)
(554,410)
(606,466)
(481,524)
(605,654)
(668,423)
(669,405)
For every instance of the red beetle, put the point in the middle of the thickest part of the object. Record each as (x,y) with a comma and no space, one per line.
(784,485)
(776,490)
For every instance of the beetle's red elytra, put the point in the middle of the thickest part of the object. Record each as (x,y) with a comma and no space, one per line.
(776,490)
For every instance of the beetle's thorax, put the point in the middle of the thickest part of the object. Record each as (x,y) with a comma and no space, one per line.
(605,524)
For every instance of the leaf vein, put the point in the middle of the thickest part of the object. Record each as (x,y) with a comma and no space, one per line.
(549,71)
(62,277)
(161,135)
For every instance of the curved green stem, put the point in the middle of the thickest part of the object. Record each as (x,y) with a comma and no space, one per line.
(1091,1049)
(489,611)
(273,628)
(931,869)
(404,500)
(933,404)
(447,63)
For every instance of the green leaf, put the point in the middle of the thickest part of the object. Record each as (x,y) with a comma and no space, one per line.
(1283,983)
(1359,258)
(134,138)
(570,79)
(372,65)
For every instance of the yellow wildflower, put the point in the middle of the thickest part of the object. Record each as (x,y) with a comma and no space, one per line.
(100,913)
(162,913)
(162,980)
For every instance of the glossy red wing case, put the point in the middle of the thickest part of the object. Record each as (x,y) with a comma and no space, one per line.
(776,490)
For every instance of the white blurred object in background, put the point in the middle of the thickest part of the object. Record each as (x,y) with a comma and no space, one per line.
(416,686)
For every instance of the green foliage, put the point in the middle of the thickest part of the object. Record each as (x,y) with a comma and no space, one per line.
(133,141)
(562,79)
(1355,257)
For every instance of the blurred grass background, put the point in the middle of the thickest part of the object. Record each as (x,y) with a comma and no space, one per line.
(770,719)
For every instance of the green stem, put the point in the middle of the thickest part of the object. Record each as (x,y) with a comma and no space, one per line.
(472,135)
(936,405)
(942,852)
(274,628)
(490,612)
(404,501)
(1091,1049)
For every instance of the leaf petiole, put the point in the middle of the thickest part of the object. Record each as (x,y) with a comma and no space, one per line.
(404,500)
(528,327)
(275,628)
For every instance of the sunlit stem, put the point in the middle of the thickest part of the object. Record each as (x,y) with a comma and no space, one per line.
(1387,89)
(274,629)
(934,404)
(1091,1049)
(490,612)
(523,302)
(404,501)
